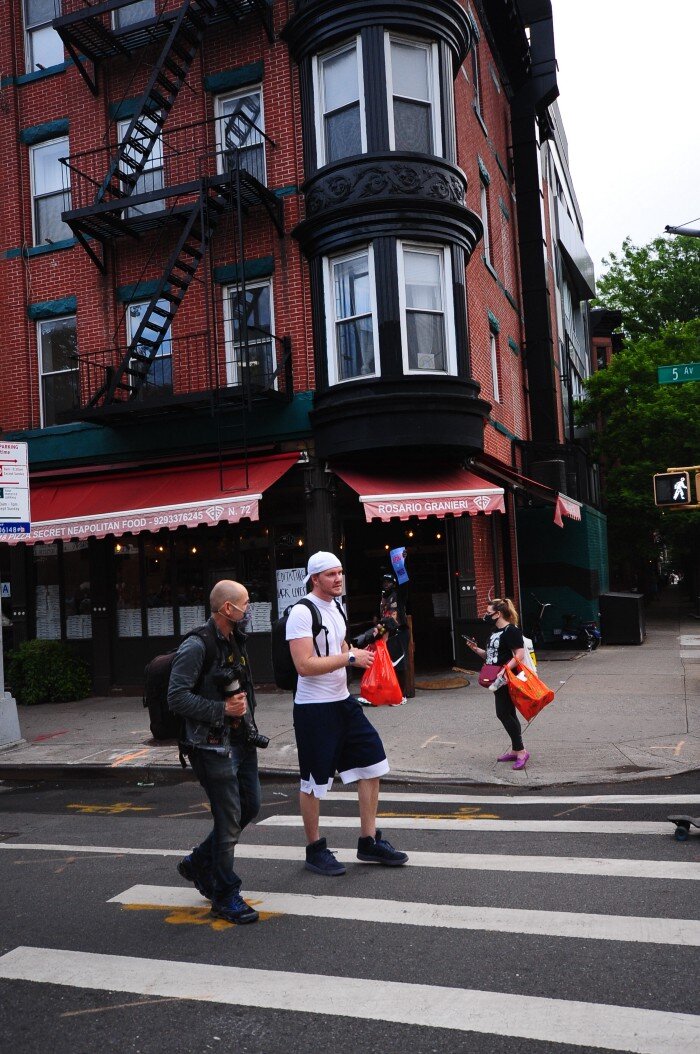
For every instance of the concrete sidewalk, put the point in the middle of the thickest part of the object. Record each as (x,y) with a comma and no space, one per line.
(620,713)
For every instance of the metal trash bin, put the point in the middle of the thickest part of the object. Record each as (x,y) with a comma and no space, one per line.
(622,618)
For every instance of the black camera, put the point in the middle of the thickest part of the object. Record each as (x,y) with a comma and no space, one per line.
(385,628)
(230,680)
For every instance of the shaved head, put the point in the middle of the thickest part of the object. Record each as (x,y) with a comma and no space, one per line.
(225,590)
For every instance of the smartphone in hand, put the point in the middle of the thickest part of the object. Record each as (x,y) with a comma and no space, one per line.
(469,640)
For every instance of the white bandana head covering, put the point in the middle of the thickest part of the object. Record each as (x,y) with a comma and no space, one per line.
(321,562)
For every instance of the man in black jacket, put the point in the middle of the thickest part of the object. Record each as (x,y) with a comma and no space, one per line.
(215,699)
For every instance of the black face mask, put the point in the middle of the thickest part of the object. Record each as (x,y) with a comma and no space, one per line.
(490,617)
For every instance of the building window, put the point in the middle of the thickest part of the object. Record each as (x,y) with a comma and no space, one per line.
(352,317)
(44,47)
(58,366)
(249,316)
(240,124)
(484,199)
(426,317)
(160,374)
(340,116)
(493,354)
(413,91)
(151,176)
(476,76)
(50,192)
(133,13)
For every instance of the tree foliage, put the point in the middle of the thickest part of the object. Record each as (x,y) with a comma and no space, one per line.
(646,428)
(653,285)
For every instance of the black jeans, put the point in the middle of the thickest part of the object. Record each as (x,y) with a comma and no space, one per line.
(506,714)
(233,789)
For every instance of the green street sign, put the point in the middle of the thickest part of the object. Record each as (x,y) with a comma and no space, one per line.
(685,371)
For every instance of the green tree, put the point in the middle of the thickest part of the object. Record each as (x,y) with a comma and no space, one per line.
(645,428)
(653,284)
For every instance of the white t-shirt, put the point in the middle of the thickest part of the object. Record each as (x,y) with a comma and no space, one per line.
(324,687)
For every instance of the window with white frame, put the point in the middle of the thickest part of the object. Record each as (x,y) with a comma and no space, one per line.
(240,123)
(476,73)
(427,319)
(352,316)
(413,90)
(50,191)
(133,13)
(151,176)
(248,327)
(160,374)
(43,46)
(484,199)
(58,367)
(340,117)
(493,355)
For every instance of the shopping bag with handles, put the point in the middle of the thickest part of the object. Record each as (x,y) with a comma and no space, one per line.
(528,693)
(380,685)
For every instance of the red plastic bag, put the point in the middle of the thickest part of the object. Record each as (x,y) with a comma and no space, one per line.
(380,685)
(528,693)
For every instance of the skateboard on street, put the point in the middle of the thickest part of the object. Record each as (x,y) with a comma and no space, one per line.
(683,825)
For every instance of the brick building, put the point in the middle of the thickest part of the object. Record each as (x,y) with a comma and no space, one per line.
(279,277)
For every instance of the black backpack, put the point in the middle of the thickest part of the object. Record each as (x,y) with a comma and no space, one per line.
(164,723)
(285,672)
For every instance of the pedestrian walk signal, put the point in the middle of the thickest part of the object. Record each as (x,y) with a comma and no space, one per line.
(672,488)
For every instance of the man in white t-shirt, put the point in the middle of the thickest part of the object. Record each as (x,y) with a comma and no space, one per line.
(332,732)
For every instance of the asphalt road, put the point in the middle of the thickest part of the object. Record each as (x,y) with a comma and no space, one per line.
(559,938)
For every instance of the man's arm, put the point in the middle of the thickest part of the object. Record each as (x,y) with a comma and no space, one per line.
(186,671)
(309,664)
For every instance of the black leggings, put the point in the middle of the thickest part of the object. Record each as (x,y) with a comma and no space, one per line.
(506,714)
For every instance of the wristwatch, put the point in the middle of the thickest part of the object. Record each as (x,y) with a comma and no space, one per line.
(352,658)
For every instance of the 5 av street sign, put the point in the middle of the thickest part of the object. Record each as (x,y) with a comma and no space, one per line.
(680,374)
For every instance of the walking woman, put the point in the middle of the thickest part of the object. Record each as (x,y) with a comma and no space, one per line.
(504,647)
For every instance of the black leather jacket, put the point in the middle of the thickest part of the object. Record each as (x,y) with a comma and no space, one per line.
(194,694)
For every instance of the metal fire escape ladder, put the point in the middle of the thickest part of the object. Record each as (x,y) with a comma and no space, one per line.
(166,79)
(132,373)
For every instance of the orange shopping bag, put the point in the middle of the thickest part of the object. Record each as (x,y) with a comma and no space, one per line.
(380,685)
(528,693)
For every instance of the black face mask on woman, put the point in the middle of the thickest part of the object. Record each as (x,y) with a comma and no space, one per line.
(490,617)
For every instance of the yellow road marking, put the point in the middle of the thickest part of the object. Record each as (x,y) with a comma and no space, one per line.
(119,1006)
(464,812)
(198,916)
(109,810)
(122,759)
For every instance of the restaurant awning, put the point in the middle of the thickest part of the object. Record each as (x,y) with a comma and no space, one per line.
(132,501)
(422,493)
(566,506)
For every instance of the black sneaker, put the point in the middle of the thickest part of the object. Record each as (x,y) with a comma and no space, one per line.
(234,909)
(378,851)
(201,881)
(320,859)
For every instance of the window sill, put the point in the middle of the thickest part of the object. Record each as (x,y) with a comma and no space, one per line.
(40,75)
(39,250)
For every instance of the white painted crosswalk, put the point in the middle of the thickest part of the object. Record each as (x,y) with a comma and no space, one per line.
(581,925)
(578,1023)
(602,867)
(464,823)
(598,936)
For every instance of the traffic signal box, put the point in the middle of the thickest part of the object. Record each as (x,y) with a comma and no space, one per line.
(674,489)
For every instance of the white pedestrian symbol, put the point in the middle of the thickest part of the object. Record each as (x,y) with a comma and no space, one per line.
(680,489)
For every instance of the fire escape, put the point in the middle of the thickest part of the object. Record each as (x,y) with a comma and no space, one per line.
(159,181)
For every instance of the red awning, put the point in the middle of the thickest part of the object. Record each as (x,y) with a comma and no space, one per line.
(440,492)
(566,506)
(150,499)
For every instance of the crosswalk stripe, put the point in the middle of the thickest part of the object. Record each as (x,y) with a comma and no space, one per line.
(643,930)
(524,799)
(468,823)
(623,1028)
(666,870)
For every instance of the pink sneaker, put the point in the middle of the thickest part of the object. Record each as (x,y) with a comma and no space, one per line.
(510,755)
(521,762)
